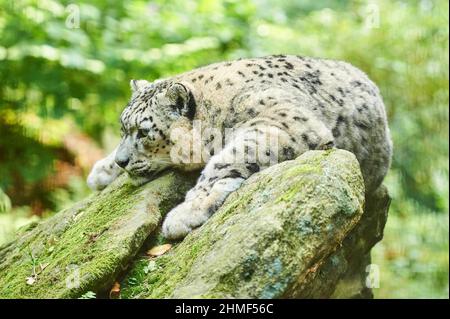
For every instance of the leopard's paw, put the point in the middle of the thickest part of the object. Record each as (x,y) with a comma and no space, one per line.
(104,172)
(181,220)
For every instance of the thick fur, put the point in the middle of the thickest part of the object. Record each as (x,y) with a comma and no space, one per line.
(307,103)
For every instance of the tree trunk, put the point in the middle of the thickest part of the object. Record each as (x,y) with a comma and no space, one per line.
(295,230)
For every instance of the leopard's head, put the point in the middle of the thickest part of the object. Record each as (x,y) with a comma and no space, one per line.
(145,146)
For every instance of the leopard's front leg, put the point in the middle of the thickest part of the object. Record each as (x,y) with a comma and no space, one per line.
(248,152)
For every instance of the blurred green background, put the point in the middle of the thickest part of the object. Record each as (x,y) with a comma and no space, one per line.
(65,68)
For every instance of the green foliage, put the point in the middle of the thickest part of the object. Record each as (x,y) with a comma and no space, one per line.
(54,69)
(89,295)
(413,257)
(13,221)
(5,202)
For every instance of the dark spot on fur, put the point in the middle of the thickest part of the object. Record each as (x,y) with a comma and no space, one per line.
(288,152)
(298,118)
(288,65)
(312,146)
(221,166)
(335,131)
(212,179)
(251,112)
(340,119)
(233,174)
(228,82)
(253,167)
(362,125)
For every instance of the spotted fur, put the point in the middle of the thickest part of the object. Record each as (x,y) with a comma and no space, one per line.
(307,103)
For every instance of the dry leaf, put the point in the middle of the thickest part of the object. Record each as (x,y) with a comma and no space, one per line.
(115,291)
(159,250)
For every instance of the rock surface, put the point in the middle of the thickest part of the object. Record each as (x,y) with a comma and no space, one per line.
(268,239)
(296,230)
(85,247)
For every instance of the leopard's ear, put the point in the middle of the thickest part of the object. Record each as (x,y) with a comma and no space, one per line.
(182,99)
(136,85)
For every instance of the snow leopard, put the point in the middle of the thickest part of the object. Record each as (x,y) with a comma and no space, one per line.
(306,103)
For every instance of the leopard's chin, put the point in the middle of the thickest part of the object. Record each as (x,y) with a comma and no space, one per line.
(139,180)
(142,177)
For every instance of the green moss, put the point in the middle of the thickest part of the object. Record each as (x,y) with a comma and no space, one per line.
(85,248)
(262,236)
(256,245)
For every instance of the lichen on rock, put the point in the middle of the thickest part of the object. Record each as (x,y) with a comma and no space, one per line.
(299,229)
(268,236)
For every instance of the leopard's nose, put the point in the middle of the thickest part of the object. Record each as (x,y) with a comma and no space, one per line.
(122,162)
(122,156)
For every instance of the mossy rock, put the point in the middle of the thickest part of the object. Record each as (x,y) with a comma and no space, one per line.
(268,237)
(295,230)
(85,247)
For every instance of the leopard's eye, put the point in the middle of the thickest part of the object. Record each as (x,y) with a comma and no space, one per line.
(142,132)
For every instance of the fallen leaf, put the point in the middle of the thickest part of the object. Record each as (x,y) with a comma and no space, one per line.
(159,250)
(115,291)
